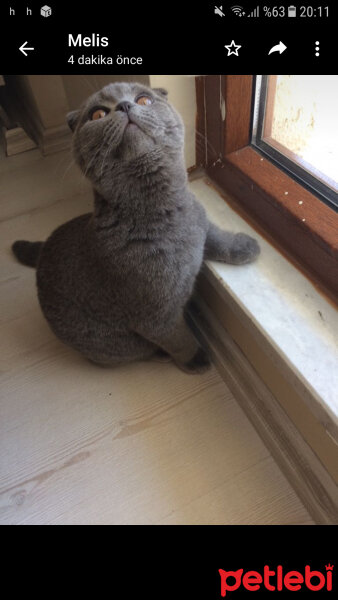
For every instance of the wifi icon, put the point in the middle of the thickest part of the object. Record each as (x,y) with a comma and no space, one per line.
(238,10)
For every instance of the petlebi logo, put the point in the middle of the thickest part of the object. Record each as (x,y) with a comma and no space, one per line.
(276,579)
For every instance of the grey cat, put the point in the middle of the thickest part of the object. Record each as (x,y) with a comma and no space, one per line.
(114,284)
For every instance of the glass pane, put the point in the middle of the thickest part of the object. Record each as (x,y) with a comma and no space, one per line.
(301,121)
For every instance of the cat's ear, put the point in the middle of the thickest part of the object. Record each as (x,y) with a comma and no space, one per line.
(162,92)
(72,119)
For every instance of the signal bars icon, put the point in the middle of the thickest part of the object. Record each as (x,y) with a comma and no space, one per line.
(254,13)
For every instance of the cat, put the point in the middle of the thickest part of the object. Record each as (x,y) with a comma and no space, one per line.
(114,283)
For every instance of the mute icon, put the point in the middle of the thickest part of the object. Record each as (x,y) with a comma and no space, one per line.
(219,11)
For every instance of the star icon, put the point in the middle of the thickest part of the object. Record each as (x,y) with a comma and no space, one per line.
(232,48)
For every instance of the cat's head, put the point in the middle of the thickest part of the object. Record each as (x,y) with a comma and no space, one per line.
(124,122)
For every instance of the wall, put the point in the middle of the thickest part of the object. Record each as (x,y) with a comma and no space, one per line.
(182,95)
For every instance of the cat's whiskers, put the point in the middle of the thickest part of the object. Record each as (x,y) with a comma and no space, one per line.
(70,165)
(104,160)
(83,151)
(64,159)
(150,121)
(91,162)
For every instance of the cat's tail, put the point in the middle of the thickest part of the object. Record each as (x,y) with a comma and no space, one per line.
(27,252)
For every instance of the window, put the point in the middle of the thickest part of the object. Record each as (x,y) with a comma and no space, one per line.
(296,125)
(287,212)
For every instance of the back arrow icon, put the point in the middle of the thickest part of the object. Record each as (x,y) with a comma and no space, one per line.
(23,48)
(279,48)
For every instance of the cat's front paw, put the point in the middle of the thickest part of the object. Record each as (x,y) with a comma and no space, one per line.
(199,363)
(244,249)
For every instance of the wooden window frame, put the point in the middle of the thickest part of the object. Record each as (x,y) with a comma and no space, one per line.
(306,173)
(288,215)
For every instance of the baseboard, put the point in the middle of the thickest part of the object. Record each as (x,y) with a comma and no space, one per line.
(17,141)
(300,464)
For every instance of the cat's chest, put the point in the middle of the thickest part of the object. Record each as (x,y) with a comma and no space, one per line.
(150,254)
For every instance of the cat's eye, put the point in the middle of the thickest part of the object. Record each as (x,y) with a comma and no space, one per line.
(99,113)
(144,100)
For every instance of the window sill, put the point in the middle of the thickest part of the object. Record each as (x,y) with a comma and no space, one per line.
(293,324)
(291,216)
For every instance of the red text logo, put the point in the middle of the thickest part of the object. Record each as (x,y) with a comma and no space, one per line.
(276,580)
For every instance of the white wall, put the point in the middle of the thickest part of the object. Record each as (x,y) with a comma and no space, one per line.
(182,95)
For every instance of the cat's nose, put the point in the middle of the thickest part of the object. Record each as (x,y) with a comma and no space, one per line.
(124,106)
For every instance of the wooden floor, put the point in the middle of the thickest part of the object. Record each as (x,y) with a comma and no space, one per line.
(143,443)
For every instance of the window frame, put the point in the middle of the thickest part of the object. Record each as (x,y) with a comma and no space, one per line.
(306,174)
(290,216)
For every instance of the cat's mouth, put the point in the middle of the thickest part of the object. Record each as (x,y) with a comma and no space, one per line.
(132,125)
(131,121)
